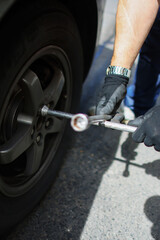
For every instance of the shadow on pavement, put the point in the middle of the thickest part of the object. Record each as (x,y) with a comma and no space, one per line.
(128,152)
(152,211)
(153,168)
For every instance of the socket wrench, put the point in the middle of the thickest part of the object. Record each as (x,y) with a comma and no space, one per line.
(81,122)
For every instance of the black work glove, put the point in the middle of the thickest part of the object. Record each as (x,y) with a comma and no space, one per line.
(148,130)
(111,95)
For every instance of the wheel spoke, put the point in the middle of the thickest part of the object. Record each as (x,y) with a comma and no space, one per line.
(34,157)
(33,92)
(18,144)
(56,126)
(53,91)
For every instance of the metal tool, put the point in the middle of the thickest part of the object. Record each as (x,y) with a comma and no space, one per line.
(81,122)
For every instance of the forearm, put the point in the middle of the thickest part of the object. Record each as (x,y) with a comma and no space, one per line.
(133,23)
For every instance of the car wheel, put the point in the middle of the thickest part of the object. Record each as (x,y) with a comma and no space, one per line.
(41,64)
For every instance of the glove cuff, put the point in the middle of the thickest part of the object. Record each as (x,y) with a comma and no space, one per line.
(116,79)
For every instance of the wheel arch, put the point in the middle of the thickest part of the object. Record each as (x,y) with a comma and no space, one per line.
(86,16)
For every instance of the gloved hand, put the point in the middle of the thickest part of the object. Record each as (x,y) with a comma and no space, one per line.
(111,95)
(148,130)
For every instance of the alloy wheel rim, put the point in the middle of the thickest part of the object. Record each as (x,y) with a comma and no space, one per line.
(29,141)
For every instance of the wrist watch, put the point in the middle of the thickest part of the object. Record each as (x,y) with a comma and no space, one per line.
(118,71)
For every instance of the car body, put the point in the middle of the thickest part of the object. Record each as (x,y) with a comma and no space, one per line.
(46,49)
(88,15)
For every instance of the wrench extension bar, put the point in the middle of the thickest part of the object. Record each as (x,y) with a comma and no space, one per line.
(81,122)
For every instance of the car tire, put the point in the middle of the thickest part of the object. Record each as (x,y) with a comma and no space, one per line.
(39,40)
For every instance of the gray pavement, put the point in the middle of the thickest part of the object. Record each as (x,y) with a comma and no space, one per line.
(109,186)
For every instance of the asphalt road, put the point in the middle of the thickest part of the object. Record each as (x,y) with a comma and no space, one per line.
(109,187)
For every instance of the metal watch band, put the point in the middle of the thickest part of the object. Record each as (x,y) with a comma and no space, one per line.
(119,71)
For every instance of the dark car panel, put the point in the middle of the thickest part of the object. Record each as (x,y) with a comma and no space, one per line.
(88,15)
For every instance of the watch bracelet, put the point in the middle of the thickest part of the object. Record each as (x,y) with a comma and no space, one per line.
(117,70)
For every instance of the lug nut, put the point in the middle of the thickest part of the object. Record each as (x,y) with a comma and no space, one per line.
(38,138)
(32,132)
(47,124)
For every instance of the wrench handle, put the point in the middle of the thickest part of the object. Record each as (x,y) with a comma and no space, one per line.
(118,126)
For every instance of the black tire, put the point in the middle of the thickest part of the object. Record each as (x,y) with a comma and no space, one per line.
(32,28)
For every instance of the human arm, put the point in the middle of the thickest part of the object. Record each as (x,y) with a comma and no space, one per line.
(133,23)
